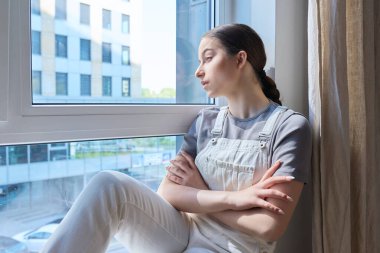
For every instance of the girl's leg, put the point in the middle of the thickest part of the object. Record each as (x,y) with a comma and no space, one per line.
(114,203)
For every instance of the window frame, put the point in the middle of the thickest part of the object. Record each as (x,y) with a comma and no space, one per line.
(22,122)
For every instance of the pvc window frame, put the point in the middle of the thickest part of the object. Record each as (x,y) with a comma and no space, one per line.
(21,122)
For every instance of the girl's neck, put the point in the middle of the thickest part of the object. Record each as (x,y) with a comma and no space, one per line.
(248,102)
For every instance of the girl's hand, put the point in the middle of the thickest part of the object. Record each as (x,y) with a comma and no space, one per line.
(183,171)
(256,195)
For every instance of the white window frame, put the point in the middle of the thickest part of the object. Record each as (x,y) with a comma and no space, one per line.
(21,122)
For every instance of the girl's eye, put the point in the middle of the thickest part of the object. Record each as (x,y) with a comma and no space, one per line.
(208,59)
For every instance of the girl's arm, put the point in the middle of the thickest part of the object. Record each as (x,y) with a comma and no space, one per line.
(185,189)
(251,210)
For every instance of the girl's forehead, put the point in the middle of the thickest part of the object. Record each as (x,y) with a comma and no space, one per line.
(209,43)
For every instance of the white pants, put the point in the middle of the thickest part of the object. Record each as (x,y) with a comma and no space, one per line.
(116,204)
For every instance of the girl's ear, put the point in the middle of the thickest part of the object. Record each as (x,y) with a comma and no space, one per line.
(241,58)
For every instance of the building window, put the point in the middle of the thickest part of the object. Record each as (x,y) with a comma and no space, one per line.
(61,46)
(124,23)
(85,14)
(125,55)
(18,154)
(85,50)
(3,156)
(106,52)
(85,85)
(106,19)
(35,6)
(60,9)
(107,86)
(61,83)
(36,82)
(38,153)
(36,42)
(126,87)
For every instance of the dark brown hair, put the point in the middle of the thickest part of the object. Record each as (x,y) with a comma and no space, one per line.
(238,37)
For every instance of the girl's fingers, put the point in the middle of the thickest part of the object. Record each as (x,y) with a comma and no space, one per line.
(271,170)
(270,207)
(183,165)
(268,183)
(270,193)
(189,159)
(174,170)
(174,178)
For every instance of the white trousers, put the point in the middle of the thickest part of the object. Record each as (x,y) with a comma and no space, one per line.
(116,204)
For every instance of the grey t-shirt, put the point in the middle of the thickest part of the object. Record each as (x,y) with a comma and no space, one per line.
(291,140)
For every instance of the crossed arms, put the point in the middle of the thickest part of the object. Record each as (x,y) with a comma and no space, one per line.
(262,210)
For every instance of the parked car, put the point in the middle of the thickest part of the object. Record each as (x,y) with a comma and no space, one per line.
(36,239)
(10,245)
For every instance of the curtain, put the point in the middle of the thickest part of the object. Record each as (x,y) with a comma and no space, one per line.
(344,111)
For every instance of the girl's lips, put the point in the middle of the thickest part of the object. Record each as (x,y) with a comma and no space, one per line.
(204,83)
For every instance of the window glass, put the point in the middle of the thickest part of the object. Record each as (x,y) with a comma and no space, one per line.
(61,46)
(85,85)
(3,156)
(107,52)
(125,23)
(125,55)
(61,83)
(107,86)
(35,7)
(35,195)
(85,14)
(106,19)
(126,87)
(154,43)
(38,153)
(60,9)
(85,50)
(36,42)
(36,82)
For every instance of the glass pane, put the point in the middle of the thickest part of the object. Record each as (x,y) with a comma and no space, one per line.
(36,195)
(148,47)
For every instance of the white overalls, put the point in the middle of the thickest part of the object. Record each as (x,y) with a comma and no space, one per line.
(116,204)
(232,165)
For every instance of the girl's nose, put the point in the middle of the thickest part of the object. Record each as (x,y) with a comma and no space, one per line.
(199,72)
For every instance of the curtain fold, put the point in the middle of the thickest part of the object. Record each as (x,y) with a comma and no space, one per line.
(344,112)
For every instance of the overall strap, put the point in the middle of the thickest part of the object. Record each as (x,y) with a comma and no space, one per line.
(218,127)
(272,121)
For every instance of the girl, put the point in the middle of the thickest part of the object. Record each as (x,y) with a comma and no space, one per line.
(227,199)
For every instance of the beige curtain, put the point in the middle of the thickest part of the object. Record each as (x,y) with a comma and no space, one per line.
(344,101)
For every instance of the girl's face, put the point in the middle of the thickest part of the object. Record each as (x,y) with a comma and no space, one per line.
(217,70)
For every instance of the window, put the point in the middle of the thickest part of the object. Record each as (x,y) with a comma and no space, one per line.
(61,46)
(3,156)
(126,87)
(38,153)
(124,23)
(106,19)
(85,14)
(61,84)
(85,50)
(107,86)
(18,154)
(60,9)
(35,6)
(36,82)
(36,42)
(125,55)
(85,85)
(106,52)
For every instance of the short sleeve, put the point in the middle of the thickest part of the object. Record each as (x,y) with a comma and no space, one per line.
(292,145)
(189,144)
